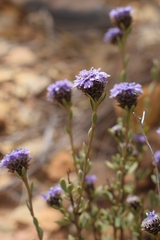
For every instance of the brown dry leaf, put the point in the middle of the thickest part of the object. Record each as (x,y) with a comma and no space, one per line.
(59,165)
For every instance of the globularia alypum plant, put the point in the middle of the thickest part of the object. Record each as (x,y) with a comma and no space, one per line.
(125,211)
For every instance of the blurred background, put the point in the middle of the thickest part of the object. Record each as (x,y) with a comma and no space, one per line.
(49,40)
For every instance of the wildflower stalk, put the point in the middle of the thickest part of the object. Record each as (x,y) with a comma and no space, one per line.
(30,207)
(70,133)
(94,113)
(150,148)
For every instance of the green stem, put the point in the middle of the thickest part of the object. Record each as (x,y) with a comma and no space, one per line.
(25,180)
(71,138)
(87,157)
(124,157)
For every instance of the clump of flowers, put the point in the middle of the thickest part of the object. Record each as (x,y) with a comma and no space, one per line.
(126,93)
(113,35)
(60,90)
(122,17)
(16,160)
(53,196)
(151,224)
(91,82)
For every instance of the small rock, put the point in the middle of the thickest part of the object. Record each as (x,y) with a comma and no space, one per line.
(20,56)
(32,82)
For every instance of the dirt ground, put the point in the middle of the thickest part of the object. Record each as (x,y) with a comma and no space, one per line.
(39,46)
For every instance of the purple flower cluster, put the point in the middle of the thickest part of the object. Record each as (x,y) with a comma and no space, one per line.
(91,82)
(112,35)
(151,224)
(53,196)
(126,93)
(121,17)
(60,90)
(16,160)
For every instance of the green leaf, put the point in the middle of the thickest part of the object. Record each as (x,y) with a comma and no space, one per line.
(62,210)
(89,132)
(84,147)
(132,168)
(67,130)
(117,222)
(28,205)
(70,237)
(80,174)
(70,188)
(63,184)
(94,118)
(108,195)
(154,178)
(79,190)
(35,221)
(17,175)
(110,165)
(92,104)
(31,188)
(102,98)
(119,175)
(41,232)
(63,223)
(23,171)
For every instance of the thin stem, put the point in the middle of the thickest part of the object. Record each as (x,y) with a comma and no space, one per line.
(123,50)
(71,138)
(114,232)
(25,180)
(150,148)
(87,156)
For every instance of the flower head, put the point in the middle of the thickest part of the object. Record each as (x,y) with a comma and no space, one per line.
(133,201)
(16,160)
(126,93)
(112,35)
(151,224)
(138,139)
(158,131)
(121,17)
(53,196)
(157,156)
(60,90)
(90,179)
(91,82)
(118,131)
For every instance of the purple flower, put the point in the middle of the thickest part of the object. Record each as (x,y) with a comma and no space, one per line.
(70,208)
(151,224)
(126,93)
(158,131)
(113,35)
(90,179)
(60,90)
(121,17)
(53,195)
(157,156)
(16,160)
(91,82)
(138,139)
